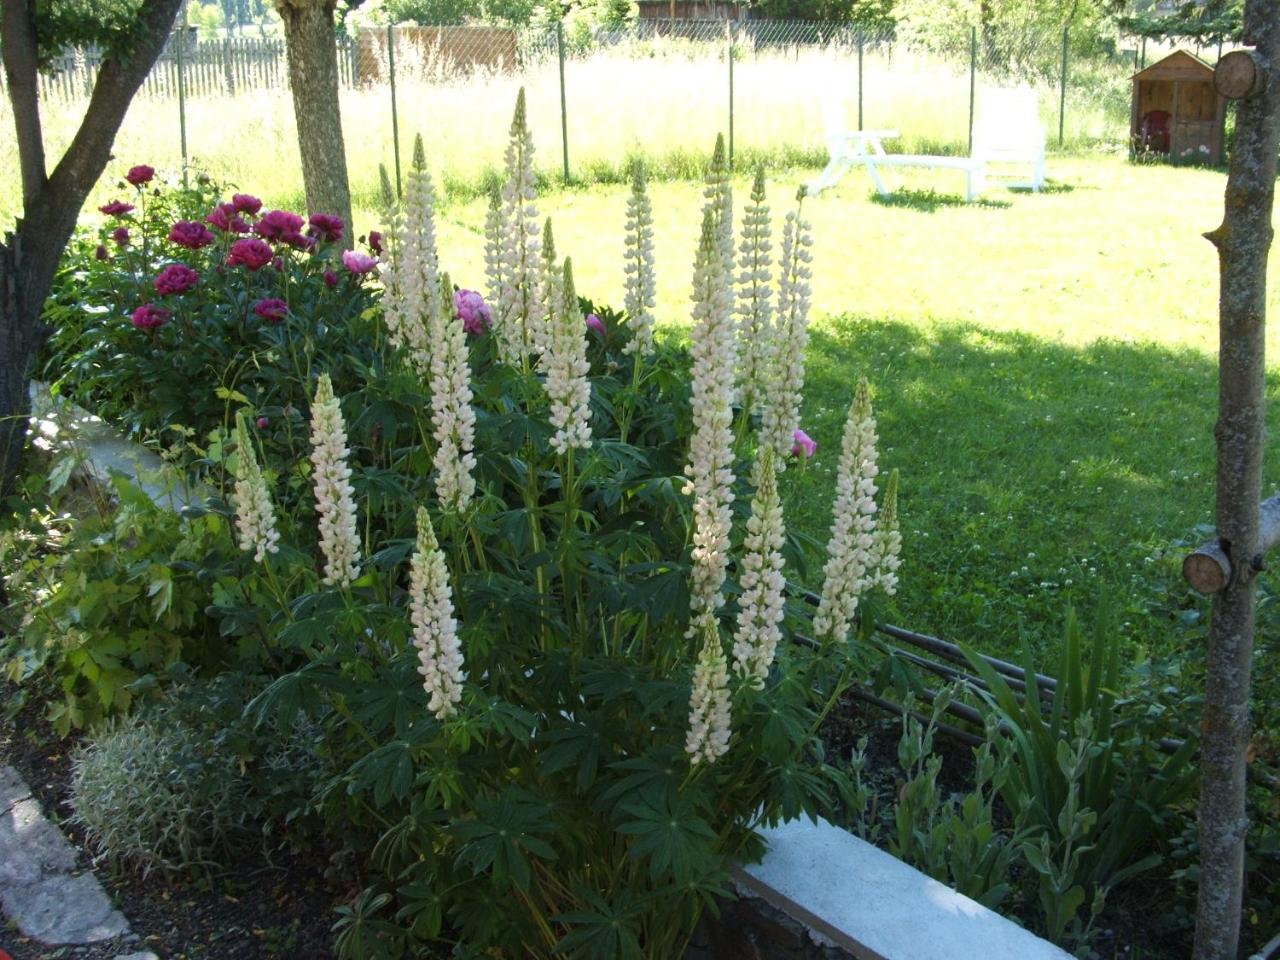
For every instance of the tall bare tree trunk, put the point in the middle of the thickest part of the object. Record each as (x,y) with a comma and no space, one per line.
(313,75)
(1243,243)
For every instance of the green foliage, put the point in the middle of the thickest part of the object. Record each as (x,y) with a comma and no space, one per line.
(1205,22)
(111,25)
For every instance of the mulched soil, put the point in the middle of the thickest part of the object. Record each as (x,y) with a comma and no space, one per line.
(279,910)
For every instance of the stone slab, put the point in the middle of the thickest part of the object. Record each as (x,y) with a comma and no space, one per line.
(12,789)
(31,848)
(63,909)
(140,955)
(873,905)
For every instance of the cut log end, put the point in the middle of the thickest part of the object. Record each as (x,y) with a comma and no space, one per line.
(1207,570)
(1240,74)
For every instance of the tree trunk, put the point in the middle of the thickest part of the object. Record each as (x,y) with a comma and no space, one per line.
(313,76)
(1243,243)
(51,202)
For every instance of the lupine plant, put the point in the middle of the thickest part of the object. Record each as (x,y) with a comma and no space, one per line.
(564,702)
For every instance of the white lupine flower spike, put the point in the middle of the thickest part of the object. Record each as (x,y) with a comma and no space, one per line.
(494,264)
(255,515)
(888,539)
(552,289)
(755,293)
(718,197)
(640,283)
(709,716)
(519,314)
(453,420)
(760,607)
(781,415)
(852,554)
(435,629)
(710,466)
(566,367)
(335,501)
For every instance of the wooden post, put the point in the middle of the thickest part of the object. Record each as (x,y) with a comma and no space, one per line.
(1243,242)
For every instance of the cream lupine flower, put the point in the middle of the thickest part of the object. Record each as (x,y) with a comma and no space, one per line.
(888,547)
(718,197)
(519,305)
(709,718)
(851,551)
(255,516)
(710,466)
(335,503)
(435,630)
(566,368)
(755,309)
(552,289)
(453,420)
(640,283)
(781,415)
(411,278)
(763,586)
(494,231)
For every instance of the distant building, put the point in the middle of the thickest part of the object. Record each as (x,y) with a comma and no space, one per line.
(690,10)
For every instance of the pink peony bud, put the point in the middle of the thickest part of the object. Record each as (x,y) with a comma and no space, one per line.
(101,253)
(596,324)
(804,446)
(272,309)
(330,278)
(325,227)
(246,203)
(149,317)
(121,236)
(262,423)
(474,313)
(116,208)
(140,174)
(375,242)
(227,219)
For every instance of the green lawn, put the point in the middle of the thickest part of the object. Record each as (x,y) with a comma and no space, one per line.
(1044,372)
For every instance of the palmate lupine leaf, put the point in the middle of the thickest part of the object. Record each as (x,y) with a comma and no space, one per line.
(582,743)
(605,930)
(502,837)
(652,777)
(669,835)
(387,772)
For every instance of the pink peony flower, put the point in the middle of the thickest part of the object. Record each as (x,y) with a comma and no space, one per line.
(375,242)
(101,253)
(330,278)
(272,310)
(325,227)
(121,236)
(226,218)
(176,278)
(262,423)
(474,313)
(140,174)
(358,263)
(251,253)
(148,317)
(596,324)
(805,446)
(246,203)
(274,225)
(299,241)
(116,208)
(189,234)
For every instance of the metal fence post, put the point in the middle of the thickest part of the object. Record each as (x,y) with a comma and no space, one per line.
(564,107)
(729,29)
(861,40)
(1062,89)
(395,114)
(973,79)
(182,98)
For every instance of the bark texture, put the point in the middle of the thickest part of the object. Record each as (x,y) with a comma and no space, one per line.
(1243,242)
(51,202)
(312,50)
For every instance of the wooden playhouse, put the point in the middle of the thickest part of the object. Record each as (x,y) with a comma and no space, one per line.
(1176,111)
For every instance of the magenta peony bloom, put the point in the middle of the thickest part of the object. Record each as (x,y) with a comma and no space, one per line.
(375,242)
(148,317)
(325,227)
(330,278)
(121,236)
(474,313)
(358,263)
(250,252)
(246,203)
(176,278)
(116,208)
(805,446)
(101,253)
(140,174)
(596,324)
(189,234)
(299,241)
(272,309)
(262,423)
(227,219)
(274,225)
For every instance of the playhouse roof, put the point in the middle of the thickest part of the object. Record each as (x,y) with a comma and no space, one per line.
(1179,65)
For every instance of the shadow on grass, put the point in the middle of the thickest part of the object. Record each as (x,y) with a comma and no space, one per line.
(1050,186)
(1033,474)
(928,201)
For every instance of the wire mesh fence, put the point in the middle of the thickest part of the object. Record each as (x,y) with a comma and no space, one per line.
(658,90)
